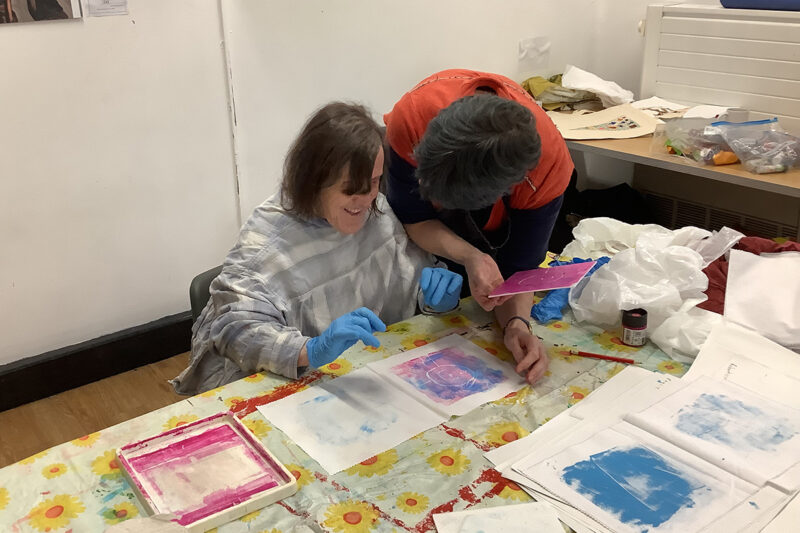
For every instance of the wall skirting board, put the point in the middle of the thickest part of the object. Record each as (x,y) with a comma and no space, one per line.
(43,375)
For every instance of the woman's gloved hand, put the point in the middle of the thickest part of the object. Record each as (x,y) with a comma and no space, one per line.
(344,332)
(440,288)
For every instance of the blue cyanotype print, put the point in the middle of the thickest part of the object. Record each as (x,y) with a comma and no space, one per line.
(723,420)
(635,484)
(325,419)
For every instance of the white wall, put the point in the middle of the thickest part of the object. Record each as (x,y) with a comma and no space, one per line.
(116,171)
(288,58)
(116,158)
(618,54)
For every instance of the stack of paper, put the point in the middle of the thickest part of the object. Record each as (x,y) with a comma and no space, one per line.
(718,450)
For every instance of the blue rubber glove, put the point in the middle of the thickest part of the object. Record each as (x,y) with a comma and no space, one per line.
(344,332)
(440,288)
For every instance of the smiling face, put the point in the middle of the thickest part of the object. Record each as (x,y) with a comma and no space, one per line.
(348,213)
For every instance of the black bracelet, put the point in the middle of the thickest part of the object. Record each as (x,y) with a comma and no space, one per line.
(517,317)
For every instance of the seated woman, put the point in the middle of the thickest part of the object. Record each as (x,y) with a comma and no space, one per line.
(318,267)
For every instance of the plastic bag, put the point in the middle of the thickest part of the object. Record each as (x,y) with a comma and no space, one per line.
(599,236)
(682,334)
(655,275)
(695,140)
(761,145)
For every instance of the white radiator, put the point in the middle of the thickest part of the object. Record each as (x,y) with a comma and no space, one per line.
(701,54)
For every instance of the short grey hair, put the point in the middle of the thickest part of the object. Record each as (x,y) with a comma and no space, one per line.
(475,150)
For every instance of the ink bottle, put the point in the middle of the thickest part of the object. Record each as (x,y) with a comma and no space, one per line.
(634,327)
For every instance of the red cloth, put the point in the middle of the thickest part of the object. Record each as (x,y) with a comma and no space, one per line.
(408,120)
(717,271)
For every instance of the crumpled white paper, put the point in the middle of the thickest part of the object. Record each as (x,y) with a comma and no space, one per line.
(609,92)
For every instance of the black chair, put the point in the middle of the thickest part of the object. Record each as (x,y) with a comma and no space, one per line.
(199,290)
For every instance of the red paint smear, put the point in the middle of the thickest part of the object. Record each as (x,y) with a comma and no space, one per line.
(465,494)
(245,407)
(457,433)
(295,512)
(334,484)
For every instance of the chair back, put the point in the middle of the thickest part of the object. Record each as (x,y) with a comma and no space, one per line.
(199,290)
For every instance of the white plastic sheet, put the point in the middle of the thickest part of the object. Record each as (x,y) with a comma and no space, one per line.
(654,275)
(683,333)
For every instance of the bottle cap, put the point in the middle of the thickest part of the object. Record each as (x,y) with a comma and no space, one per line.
(634,318)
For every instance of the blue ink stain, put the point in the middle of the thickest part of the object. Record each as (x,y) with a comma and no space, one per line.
(636,484)
(324,420)
(449,375)
(733,423)
(320,399)
(754,504)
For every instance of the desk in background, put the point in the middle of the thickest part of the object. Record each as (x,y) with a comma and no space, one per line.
(681,193)
(637,150)
(78,485)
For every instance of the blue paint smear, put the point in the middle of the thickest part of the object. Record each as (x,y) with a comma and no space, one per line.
(733,423)
(635,484)
(324,420)
(449,375)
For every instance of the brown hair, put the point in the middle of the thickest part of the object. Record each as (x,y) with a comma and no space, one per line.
(338,137)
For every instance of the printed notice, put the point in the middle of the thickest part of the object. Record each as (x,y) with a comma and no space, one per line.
(105,8)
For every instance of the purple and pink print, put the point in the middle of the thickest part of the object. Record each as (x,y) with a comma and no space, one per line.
(448,375)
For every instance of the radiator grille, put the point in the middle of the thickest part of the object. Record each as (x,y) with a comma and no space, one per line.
(676,213)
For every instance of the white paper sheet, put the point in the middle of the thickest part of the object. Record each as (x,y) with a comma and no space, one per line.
(349,419)
(539,517)
(620,122)
(763,294)
(631,484)
(730,427)
(451,376)
(706,111)
(731,344)
(660,108)
(787,519)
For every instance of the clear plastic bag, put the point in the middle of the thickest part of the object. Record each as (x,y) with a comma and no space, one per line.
(761,145)
(695,140)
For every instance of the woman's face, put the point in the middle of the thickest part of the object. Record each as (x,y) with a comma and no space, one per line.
(348,213)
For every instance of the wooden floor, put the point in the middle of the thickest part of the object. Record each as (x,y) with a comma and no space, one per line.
(33,427)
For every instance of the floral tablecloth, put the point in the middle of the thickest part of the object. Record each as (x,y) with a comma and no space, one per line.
(77,486)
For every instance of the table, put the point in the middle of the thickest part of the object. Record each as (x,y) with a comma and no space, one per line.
(637,150)
(77,486)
